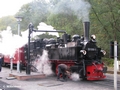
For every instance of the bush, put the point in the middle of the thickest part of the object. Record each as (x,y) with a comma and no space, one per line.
(108,61)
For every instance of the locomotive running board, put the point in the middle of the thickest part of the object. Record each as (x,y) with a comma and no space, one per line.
(22,76)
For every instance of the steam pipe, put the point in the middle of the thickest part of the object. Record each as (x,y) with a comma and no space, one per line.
(49,31)
(31,28)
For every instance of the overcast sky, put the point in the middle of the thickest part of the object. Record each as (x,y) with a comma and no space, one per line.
(11,7)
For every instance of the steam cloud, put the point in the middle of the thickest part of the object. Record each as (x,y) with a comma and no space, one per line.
(75,77)
(81,8)
(9,42)
(43,65)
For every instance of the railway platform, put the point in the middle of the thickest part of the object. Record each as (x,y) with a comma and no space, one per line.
(23,76)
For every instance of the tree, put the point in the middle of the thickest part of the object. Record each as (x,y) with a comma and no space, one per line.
(34,12)
(66,22)
(46,35)
(105,21)
(65,16)
(8,21)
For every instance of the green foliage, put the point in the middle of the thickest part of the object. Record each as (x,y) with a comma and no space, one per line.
(46,35)
(108,61)
(34,12)
(8,21)
(105,22)
(67,22)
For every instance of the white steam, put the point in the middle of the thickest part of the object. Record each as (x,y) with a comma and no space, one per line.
(75,77)
(80,7)
(9,43)
(44,26)
(43,65)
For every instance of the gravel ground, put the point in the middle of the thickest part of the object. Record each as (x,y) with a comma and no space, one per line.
(47,83)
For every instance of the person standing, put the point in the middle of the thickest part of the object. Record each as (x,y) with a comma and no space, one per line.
(1,60)
(63,70)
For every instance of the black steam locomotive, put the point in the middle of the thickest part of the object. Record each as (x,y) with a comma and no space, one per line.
(80,53)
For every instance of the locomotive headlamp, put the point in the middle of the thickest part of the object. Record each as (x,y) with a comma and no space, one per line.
(83,52)
(103,51)
(93,37)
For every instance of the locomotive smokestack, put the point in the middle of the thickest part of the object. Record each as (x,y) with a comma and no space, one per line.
(86,26)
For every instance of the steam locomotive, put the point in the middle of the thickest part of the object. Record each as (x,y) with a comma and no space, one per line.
(80,53)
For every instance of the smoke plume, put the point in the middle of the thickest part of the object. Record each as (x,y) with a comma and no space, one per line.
(81,8)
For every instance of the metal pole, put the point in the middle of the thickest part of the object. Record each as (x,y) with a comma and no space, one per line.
(11,64)
(28,63)
(115,65)
(19,27)
(18,62)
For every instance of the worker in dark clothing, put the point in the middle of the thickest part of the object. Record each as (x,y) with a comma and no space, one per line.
(64,70)
(1,59)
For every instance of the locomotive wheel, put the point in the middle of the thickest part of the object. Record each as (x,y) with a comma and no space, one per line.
(53,68)
(83,78)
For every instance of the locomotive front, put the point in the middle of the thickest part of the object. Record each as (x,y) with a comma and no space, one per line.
(91,54)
